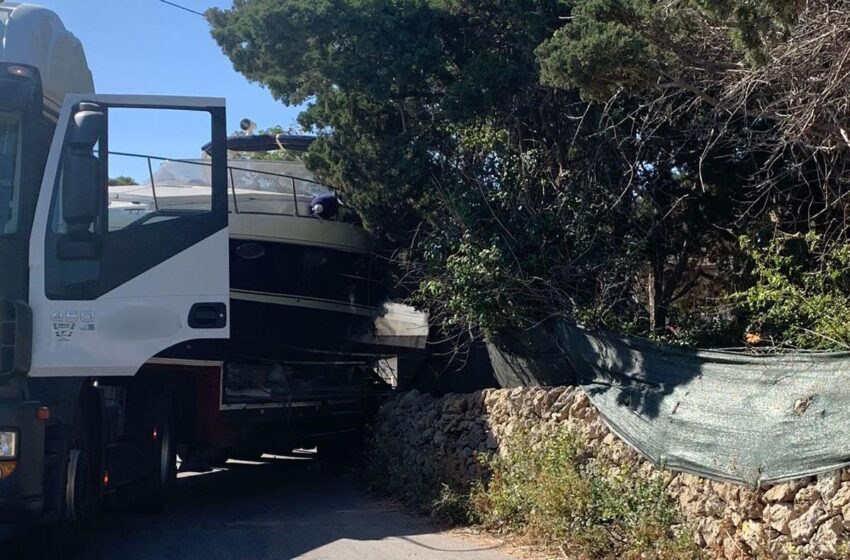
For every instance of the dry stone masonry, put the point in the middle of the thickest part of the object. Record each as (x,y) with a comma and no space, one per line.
(807,518)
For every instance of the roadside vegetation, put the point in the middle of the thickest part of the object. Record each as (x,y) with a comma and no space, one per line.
(549,491)
(801,293)
(676,170)
(595,160)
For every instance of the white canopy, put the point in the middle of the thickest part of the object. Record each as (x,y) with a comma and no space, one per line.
(35,36)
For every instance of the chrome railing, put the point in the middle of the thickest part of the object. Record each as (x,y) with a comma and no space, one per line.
(312,189)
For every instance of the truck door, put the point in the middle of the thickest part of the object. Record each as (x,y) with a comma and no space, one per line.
(129,250)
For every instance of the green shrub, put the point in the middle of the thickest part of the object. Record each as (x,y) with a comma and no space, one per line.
(551,490)
(800,297)
(454,507)
(554,493)
(392,470)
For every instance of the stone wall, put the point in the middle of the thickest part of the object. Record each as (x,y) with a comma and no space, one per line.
(808,518)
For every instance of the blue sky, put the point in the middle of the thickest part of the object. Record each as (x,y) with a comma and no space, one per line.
(147,47)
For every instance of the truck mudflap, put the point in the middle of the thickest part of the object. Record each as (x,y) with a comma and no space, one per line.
(21,486)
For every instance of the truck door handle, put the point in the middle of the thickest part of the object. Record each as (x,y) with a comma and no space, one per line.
(208,316)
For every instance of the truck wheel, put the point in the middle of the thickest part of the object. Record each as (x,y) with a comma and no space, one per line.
(154,489)
(219,457)
(81,481)
(342,451)
(74,480)
(247,455)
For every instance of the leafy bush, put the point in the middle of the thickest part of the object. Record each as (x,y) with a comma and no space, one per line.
(800,293)
(554,492)
(551,490)
(453,507)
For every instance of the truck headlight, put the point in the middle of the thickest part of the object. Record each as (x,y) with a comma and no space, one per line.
(8,445)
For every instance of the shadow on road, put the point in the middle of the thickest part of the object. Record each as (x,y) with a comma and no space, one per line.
(282,508)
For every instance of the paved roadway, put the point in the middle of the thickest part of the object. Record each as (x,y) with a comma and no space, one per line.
(283,509)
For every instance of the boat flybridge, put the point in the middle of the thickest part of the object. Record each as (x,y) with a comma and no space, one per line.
(302,272)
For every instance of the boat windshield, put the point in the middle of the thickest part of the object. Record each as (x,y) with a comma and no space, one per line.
(10,175)
(244,175)
(254,187)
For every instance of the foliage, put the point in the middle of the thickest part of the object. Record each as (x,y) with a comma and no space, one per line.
(552,490)
(592,159)
(605,48)
(122,180)
(503,200)
(755,26)
(453,507)
(801,291)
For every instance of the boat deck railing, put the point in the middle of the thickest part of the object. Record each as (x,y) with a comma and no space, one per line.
(308,188)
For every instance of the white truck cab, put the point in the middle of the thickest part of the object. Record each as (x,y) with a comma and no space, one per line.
(82,299)
(80,275)
(105,300)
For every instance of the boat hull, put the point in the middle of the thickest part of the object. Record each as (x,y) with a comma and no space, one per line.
(315,303)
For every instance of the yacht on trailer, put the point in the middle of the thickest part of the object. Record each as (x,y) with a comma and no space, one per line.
(303,276)
(118,339)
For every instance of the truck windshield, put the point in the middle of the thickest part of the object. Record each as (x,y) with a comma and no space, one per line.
(10,153)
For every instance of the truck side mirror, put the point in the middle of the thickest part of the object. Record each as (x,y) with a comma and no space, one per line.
(81,189)
(81,184)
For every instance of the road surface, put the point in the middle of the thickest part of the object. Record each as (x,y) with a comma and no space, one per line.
(283,509)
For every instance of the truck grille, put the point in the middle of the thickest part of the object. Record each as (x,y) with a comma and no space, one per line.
(7,337)
(15,337)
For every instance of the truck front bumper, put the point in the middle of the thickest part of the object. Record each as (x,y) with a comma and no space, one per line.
(21,491)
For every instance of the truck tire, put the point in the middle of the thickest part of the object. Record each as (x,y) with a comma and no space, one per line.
(74,480)
(341,450)
(153,490)
(150,429)
(82,478)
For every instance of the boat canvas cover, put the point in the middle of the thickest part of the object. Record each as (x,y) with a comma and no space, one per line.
(36,36)
(727,415)
(266,143)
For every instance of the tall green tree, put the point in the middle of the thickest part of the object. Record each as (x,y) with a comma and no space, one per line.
(506,199)
(122,180)
(528,158)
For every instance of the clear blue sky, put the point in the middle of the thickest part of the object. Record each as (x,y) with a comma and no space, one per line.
(147,47)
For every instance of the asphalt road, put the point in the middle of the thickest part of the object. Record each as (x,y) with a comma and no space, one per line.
(283,509)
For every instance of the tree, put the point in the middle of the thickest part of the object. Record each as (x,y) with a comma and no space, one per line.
(597,159)
(505,200)
(122,180)
(775,74)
